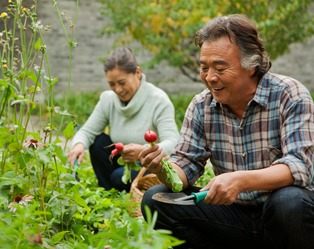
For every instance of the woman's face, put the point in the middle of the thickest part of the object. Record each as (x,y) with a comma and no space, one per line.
(123,84)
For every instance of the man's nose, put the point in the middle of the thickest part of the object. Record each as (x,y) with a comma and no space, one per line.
(211,76)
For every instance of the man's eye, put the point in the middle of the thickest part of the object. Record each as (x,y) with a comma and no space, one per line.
(204,69)
(220,70)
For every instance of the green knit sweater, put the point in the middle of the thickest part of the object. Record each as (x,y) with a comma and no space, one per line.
(128,123)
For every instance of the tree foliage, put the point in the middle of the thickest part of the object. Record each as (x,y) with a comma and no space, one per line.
(167,28)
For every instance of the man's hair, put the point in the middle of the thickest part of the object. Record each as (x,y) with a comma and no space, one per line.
(241,31)
(122,59)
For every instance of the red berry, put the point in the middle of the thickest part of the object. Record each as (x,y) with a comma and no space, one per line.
(150,136)
(114,152)
(119,146)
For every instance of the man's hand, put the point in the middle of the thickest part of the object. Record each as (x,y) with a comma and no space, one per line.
(224,188)
(78,151)
(151,158)
(130,152)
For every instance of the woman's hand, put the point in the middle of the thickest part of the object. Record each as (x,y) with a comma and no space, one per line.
(151,158)
(78,151)
(131,151)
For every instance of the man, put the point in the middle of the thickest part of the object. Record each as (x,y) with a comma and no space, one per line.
(257,130)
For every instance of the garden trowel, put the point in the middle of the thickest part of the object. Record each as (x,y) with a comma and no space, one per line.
(74,173)
(180,198)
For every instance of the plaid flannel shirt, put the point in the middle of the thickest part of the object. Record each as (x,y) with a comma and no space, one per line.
(277,127)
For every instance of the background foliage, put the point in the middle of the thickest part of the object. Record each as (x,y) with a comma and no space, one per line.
(167,28)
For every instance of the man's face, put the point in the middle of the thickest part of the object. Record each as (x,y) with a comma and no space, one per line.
(221,71)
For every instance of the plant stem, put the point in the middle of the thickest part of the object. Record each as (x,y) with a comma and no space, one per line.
(33,97)
(42,203)
(59,187)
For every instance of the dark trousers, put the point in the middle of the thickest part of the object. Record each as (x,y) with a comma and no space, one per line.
(108,173)
(285,221)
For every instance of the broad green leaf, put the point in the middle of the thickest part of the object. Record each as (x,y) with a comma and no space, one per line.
(78,199)
(57,141)
(172,176)
(37,45)
(59,236)
(34,135)
(44,156)
(69,130)
(60,153)
(6,84)
(9,174)
(51,82)
(13,147)
(23,100)
(30,74)
(65,112)
(3,83)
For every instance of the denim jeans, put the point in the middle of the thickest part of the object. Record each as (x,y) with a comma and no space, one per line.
(108,173)
(284,221)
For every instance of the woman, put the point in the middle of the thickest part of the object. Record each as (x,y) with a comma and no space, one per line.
(130,106)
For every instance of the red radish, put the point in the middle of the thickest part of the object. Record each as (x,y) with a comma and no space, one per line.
(150,136)
(114,152)
(119,146)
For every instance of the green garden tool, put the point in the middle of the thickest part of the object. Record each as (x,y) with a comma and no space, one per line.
(180,198)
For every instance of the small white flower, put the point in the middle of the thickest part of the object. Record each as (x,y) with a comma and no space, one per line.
(38,25)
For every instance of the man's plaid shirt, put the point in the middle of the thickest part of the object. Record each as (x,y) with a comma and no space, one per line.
(277,127)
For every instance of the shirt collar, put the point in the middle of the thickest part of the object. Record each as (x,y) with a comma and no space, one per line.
(263,90)
(261,95)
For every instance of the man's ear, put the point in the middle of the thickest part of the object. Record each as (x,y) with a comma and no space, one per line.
(252,72)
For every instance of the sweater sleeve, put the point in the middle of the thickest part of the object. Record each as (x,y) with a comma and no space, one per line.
(95,124)
(164,121)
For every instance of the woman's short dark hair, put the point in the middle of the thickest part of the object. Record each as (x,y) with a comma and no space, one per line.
(122,59)
(244,34)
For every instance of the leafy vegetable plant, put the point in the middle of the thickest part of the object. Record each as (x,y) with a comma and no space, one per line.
(172,176)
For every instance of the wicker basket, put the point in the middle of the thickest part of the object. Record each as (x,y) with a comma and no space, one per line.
(142,183)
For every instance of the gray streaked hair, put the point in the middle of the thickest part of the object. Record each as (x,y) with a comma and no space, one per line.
(241,31)
(122,59)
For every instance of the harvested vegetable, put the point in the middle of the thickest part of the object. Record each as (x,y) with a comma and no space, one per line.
(172,176)
(119,146)
(114,152)
(126,177)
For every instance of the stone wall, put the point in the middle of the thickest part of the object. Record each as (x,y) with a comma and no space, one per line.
(87,71)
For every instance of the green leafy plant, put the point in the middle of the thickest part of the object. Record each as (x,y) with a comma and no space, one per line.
(42,204)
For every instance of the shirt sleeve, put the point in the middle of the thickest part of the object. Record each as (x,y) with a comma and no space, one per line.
(190,153)
(297,138)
